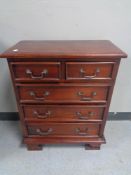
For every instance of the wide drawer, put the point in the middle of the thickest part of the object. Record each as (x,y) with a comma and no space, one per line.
(53,93)
(36,71)
(89,70)
(63,113)
(64,129)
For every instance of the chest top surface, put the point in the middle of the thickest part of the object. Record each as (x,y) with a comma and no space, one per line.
(64,49)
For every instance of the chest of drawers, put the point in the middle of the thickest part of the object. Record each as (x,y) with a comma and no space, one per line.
(63,90)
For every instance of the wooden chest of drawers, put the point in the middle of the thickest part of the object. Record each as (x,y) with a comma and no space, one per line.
(63,89)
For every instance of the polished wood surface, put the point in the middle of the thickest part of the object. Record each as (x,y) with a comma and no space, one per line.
(89,70)
(63,90)
(43,71)
(48,93)
(64,49)
(62,113)
(64,130)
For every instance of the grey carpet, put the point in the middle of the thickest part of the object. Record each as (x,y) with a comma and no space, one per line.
(114,158)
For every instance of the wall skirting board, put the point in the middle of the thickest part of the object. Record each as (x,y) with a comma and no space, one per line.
(112,116)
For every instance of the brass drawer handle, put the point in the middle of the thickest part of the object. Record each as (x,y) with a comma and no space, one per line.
(42,75)
(80,116)
(83,72)
(33,94)
(85,98)
(82,133)
(42,116)
(44,133)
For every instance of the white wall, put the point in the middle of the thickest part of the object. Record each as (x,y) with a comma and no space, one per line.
(67,19)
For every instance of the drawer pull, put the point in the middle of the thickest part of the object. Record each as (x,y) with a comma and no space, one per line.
(80,116)
(42,116)
(82,133)
(83,72)
(33,94)
(43,74)
(85,98)
(44,133)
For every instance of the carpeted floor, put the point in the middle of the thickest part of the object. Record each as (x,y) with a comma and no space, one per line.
(114,158)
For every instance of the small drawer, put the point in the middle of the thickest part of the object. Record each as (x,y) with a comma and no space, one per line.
(36,71)
(53,93)
(62,113)
(89,70)
(64,129)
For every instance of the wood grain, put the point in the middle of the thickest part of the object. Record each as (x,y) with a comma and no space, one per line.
(62,93)
(70,103)
(64,129)
(64,49)
(38,72)
(63,113)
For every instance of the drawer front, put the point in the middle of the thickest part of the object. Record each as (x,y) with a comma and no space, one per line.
(35,71)
(89,70)
(63,113)
(62,94)
(64,129)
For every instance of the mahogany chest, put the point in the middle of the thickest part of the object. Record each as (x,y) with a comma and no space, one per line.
(63,89)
